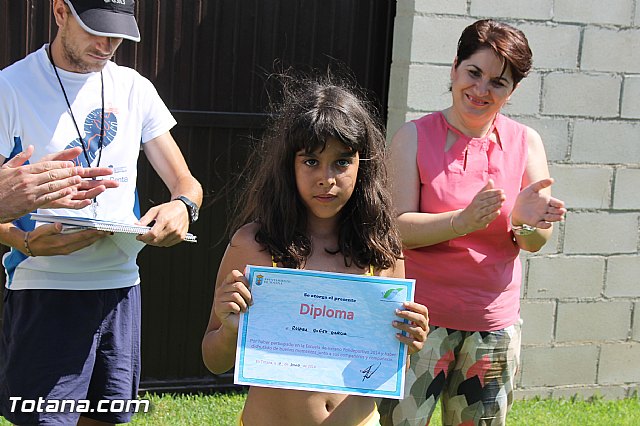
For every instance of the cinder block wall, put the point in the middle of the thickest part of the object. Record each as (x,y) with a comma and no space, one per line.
(581,293)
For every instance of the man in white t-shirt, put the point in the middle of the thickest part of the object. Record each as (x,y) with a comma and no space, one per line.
(71,319)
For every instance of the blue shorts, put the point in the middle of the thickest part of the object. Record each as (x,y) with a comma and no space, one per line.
(81,346)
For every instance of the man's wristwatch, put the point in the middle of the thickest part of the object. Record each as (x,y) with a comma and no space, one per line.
(192,207)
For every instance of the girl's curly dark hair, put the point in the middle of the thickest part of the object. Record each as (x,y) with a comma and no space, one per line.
(313,110)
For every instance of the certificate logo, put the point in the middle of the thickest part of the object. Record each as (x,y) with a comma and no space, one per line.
(259,279)
(393,294)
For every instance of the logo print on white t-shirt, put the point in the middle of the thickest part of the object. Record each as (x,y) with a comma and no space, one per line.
(92,135)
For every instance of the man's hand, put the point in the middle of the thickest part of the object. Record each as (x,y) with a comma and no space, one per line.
(89,188)
(170,227)
(48,240)
(25,188)
(53,182)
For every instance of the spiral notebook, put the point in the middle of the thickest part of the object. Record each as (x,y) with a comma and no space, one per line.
(72,223)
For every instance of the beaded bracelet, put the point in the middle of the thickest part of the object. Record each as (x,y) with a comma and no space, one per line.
(26,245)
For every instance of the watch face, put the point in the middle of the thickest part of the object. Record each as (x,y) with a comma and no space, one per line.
(524,229)
(192,208)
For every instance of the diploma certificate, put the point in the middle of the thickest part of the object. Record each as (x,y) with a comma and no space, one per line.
(321,331)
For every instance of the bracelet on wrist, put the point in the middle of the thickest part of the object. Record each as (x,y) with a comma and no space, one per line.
(26,244)
(452,227)
(522,230)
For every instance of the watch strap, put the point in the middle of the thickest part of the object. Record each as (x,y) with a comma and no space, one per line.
(523,229)
(192,208)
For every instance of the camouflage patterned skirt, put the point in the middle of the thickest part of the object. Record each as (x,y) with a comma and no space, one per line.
(472,372)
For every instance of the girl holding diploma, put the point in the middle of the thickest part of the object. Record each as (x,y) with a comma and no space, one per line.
(317,199)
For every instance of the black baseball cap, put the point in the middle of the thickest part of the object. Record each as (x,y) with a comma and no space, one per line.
(107,18)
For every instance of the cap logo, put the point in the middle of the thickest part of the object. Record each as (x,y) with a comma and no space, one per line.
(106,18)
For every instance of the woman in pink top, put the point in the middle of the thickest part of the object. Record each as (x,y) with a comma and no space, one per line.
(471,188)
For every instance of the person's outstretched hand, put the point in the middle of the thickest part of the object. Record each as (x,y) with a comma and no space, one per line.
(536,207)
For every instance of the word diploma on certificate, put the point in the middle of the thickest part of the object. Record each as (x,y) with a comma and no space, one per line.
(322,331)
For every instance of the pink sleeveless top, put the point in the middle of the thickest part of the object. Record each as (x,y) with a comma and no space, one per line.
(473,282)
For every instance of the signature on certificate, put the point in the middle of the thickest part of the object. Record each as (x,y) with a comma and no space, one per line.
(368,372)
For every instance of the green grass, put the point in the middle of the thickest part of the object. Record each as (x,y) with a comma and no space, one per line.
(575,411)
(218,409)
(221,409)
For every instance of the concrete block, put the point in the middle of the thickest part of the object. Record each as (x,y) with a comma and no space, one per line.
(635,331)
(582,187)
(633,391)
(626,195)
(601,233)
(452,7)
(395,120)
(593,321)
(428,88)
(630,95)
(524,256)
(623,277)
(562,277)
(602,47)
(557,366)
(619,363)
(609,393)
(614,12)
(554,133)
(435,39)
(402,40)
(636,20)
(579,94)
(512,9)
(538,320)
(553,46)
(531,393)
(523,277)
(551,247)
(405,8)
(398,86)
(526,98)
(606,142)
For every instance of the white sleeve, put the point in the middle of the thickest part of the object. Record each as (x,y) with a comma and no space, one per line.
(7,118)
(157,120)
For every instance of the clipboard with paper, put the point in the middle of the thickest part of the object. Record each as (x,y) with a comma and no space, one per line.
(124,234)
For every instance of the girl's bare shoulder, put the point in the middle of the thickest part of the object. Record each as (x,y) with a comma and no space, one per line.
(244,244)
(245,236)
(397,271)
